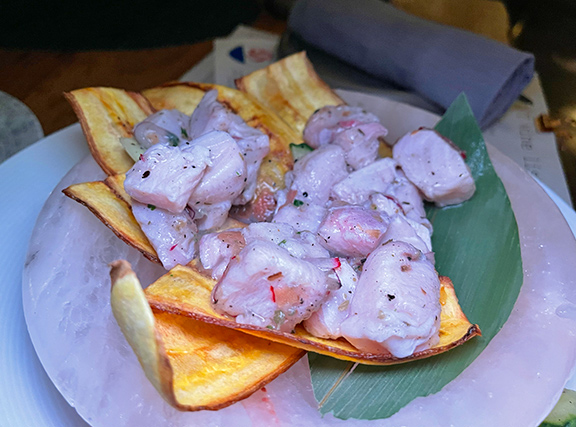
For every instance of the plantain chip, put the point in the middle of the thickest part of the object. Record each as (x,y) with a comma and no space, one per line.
(114,211)
(291,88)
(188,293)
(116,184)
(193,365)
(106,115)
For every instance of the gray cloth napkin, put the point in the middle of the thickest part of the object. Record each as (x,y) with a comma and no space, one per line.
(437,61)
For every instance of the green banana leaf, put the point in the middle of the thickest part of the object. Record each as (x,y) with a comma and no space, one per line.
(476,244)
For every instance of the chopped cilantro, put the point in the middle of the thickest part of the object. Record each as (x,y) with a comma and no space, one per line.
(173,139)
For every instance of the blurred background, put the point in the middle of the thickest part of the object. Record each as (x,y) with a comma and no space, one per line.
(545,28)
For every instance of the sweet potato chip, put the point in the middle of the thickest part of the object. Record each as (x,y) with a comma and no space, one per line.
(106,115)
(116,184)
(291,88)
(192,364)
(186,292)
(114,212)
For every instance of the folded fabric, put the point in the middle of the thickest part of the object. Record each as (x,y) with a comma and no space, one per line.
(436,61)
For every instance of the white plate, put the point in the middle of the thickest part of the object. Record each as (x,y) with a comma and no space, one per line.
(27,397)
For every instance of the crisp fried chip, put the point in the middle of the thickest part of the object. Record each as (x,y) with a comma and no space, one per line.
(114,212)
(186,292)
(192,364)
(116,184)
(106,115)
(291,88)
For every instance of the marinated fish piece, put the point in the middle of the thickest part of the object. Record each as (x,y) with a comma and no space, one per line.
(315,174)
(306,217)
(386,204)
(396,305)
(299,244)
(264,285)
(326,122)
(436,166)
(360,143)
(406,230)
(352,231)
(325,323)
(225,177)
(217,249)
(166,176)
(352,128)
(405,194)
(165,126)
(359,185)
(172,235)
(254,145)
(210,216)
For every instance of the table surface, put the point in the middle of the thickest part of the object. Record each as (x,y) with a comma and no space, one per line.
(39,78)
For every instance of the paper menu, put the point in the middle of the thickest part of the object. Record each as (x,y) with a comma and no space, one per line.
(241,56)
(515,134)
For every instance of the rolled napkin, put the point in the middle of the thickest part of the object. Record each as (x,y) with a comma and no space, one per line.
(436,61)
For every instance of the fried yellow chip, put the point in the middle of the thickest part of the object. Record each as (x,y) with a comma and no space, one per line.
(291,88)
(106,115)
(192,364)
(186,292)
(116,184)
(114,212)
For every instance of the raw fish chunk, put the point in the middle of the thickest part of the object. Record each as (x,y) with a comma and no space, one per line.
(225,177)
(361,144)
(254,145)
(210,216)
(396,305)
(352,231)
(164,126)
(359,185)
(352,128)
(315,174)
(435,166)
(407,197)
(307,217)
(266,286)
(298,244)
(217,249)
(171,235)
(409,231)
(166,176)
(325,323)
